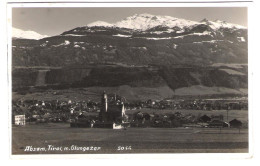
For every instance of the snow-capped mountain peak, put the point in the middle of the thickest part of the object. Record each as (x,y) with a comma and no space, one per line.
(18,33)
(157,24)
(146,21)
(99,24)
(221,24)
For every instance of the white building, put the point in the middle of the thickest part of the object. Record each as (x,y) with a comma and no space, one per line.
(19,120)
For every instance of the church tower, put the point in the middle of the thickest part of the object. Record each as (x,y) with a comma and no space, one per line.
(103,114)
(104,102)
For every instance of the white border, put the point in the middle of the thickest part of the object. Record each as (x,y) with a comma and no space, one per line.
(150,156)
(79,4)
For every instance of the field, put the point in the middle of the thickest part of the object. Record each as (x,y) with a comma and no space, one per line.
(59,138)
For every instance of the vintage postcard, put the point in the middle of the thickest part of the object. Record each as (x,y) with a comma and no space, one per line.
(117,79)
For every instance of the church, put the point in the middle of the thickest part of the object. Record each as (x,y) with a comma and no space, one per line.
(112,110)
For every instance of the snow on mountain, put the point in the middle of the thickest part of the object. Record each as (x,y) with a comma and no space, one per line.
(217,24)
(143,22)
(100,24)
(18,33)
(166,39)
(147,21)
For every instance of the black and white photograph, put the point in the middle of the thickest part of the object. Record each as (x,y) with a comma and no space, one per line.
(129,80)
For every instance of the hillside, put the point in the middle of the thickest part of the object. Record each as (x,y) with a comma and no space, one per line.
(135,83)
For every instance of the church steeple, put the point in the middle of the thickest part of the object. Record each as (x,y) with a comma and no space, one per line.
(104,102)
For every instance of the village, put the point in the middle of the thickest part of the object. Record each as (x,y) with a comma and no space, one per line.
(113,109)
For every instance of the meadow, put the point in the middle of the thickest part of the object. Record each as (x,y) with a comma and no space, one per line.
(131,140)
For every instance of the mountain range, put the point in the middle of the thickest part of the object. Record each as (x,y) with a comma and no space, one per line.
(138,40)
(163,46)
(143,22)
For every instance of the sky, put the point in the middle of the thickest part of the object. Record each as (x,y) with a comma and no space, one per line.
(54,21)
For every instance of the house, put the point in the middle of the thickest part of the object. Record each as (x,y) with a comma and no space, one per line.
(205,119)
(117,126)
(19,120)
(235,123)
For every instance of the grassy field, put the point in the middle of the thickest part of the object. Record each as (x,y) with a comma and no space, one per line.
(132,140)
